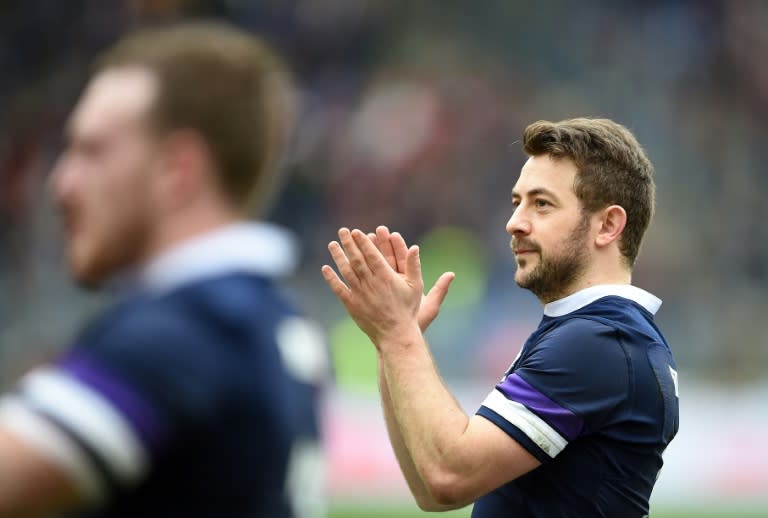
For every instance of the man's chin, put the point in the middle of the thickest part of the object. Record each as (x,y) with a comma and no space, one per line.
(524,268)
(521,279)
(88,282)
(529,281)
(86,276)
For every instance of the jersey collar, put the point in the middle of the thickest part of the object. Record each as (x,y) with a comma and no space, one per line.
(586,296)
(257,248)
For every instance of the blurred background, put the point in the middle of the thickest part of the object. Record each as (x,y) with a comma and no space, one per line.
(411,116)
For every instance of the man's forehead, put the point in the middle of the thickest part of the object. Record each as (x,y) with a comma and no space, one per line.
(114,97)
(546,173)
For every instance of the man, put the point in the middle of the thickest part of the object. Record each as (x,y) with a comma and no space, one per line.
(194,394)
(578,423)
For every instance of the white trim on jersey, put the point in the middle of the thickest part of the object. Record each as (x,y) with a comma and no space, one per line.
(91,417)
(586,296)
(259,248)
(537,430)
(53,444)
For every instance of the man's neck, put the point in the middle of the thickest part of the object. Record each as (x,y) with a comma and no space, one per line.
(595,277)
(183,227)
(624,277)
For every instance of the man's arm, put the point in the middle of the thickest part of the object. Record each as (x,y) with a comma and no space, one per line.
(69,433)
(428,311)
(458,459)
(30,484)
(411,474)
(424,497)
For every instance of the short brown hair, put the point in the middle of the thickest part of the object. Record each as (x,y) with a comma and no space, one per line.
(612,170)
(225,84)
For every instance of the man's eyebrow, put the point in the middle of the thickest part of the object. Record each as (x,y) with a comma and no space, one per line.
(537,191)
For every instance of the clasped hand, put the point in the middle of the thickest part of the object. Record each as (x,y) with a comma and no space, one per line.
(381,284)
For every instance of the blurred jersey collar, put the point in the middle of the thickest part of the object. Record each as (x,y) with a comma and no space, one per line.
(257,248)
(586,296)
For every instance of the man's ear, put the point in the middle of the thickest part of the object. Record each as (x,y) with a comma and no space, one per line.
(612,220)
(187,162)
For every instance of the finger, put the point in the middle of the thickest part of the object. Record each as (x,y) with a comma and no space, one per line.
(400,250)
(354,255)
(375,240)
(342,263)
(385,246)
(413,266)
(373,256)
(430,305)
(437,294)
(335,283)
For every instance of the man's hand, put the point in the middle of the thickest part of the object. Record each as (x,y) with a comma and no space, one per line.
(393,248)
(382,302)
(381,291)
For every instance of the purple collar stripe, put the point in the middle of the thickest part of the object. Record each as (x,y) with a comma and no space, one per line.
(130,404)
(568,424)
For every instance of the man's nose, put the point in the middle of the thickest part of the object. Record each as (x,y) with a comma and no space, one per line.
(61,181)
(518,223)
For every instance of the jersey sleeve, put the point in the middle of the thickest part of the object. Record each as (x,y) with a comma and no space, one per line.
(569,385)
(108,409)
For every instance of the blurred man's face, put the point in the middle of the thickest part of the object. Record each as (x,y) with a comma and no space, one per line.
(103,182)
(550,234)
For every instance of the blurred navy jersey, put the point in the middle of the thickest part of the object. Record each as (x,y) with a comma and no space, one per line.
(196,396)
(593,396)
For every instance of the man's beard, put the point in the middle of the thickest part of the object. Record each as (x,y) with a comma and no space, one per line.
(553,277)
(117,248)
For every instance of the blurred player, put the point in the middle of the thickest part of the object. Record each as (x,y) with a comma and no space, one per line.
(578,423)
(194,394)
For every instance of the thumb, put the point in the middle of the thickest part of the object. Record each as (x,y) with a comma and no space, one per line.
(437,294)
(430,305)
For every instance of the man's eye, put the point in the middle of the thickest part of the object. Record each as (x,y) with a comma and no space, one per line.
(542,203)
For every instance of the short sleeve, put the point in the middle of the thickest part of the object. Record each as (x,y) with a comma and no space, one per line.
(108,408)
(568,385)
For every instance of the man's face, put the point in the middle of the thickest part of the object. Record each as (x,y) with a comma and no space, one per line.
(550,234)
(103,181)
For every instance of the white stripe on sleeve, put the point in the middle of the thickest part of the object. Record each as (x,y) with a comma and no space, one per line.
(92,417)
(543,435)
(52,443)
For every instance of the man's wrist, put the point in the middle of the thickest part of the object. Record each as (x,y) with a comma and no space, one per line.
(400,340)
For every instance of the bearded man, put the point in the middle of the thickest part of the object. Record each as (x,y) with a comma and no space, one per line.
(578,424)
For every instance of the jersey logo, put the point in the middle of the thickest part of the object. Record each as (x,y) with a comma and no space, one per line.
(673,372)
(302,346)
(512,365)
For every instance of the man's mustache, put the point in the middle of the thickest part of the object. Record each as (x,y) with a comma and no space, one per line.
(523,244)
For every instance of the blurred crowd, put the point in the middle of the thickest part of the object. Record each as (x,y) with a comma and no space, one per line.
(411,116)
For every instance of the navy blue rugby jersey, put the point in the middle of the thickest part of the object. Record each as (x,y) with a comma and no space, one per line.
(196,396)
(593,395)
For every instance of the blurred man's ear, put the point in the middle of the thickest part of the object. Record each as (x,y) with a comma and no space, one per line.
(188,168)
